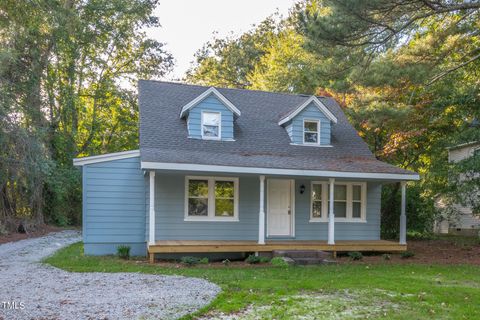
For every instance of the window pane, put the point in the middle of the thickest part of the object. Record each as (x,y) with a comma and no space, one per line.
(210,131)
(356,210)
(224,207)
(357,193)
(311,126)
(197,207)
(311,137)
(340,192)
(211,119)
(224,189)
(198,188)
(317,209)
(317,192)
(340,209)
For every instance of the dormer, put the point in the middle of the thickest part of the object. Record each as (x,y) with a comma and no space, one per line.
(309,124)
(210,116)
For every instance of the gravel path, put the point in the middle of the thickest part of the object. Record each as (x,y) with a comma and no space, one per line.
(46,292)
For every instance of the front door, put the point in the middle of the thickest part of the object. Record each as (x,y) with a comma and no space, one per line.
(279,207)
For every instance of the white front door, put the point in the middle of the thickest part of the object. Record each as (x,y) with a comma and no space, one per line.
(279,207)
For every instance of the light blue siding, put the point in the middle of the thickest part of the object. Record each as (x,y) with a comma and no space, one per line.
(170,210)
(170,213)
(310,112)
(370,230)
(115,211)
(211,103)
(114,207)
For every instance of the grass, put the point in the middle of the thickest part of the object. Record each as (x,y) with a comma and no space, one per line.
(345,291)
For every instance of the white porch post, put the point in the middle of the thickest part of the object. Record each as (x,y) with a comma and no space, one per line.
(331,215)
(151,221)
(261,213)
(403,216)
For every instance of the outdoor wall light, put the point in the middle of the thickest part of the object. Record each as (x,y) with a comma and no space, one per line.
(302,189)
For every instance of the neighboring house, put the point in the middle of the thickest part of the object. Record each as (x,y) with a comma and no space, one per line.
(467,222)
(229,170)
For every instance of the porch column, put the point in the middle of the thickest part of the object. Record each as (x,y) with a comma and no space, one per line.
(151,220)
(403,216)
(331,215)
(261,213)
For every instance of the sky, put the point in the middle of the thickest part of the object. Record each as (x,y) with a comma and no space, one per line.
(188,24)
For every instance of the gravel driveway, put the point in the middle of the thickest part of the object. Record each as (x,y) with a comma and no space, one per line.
(45,292)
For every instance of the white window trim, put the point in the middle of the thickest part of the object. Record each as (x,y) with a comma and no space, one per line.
(318,132)
(219,126)
(211,200)
(349,218)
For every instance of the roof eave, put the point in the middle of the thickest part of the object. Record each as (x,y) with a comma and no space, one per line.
(79,162)
(205,94)
(319,105)
(192,167)
(467,144)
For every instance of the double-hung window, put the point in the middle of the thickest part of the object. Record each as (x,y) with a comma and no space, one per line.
(211,199)
(211,125)
(311,131)
(349,201)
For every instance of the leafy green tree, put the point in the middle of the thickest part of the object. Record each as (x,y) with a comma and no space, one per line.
(229,62)
(68,72)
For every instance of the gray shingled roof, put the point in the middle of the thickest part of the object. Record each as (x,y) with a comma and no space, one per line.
(259,140)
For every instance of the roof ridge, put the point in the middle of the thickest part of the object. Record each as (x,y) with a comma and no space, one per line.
(234,89)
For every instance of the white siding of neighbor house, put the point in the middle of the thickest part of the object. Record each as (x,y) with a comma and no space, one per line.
(466,219)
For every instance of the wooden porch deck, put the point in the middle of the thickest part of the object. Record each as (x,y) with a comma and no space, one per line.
(194,246)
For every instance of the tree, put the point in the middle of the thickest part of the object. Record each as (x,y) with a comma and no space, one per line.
(229,62)
(67,82)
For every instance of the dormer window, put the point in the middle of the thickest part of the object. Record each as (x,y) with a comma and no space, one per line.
(304,123)
(211,122)
(311,131)
(210,116)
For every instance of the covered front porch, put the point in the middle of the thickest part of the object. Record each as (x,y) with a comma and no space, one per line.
(251,231)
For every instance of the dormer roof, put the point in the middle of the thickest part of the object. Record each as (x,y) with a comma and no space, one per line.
(204,95)
(292,113)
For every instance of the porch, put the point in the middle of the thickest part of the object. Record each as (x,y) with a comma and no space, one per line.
(195,246)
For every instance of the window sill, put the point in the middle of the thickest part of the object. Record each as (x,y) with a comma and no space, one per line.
(313,220)
(208,219)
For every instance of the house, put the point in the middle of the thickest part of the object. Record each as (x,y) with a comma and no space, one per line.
(229,170)
(466,222)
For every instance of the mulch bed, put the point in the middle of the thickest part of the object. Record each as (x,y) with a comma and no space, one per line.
(428,252)
(38,232)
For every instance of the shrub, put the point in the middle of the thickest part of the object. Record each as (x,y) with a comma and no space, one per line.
(190,261)
(226,262)
(355,255)
(123,252)
(265,259)
(386,256)
(407,254)
(416,235)
(204,260)
(278,262)
(3,230)
(253,259)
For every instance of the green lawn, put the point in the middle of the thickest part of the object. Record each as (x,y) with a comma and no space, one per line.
(317,292)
